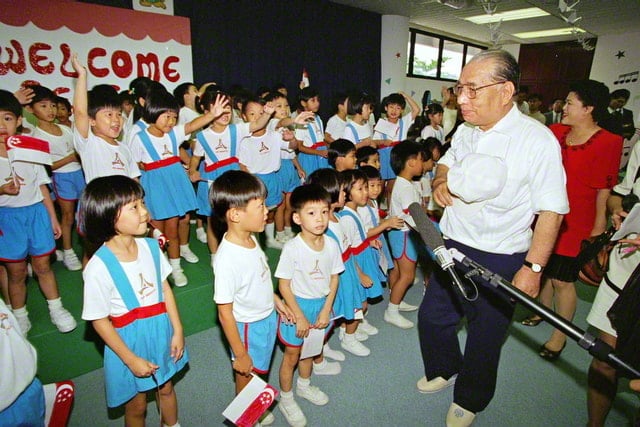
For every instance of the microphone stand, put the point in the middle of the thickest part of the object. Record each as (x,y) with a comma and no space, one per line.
(587,341)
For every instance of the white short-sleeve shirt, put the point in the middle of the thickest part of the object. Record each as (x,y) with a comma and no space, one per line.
(163,145)
(363,131)
(335,127)
(30,176)
(407,121)
(261,154)
(60,146)
(99,158)
(220,143)
(404,194)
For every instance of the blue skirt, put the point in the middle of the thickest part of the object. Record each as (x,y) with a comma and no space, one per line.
(385,163)
(274,189)
(311,163)
(150,339)
(288,176)
(168,192)
(369,266)
(350,294)
(202,192)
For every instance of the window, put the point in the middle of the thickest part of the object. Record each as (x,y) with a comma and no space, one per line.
(436,57)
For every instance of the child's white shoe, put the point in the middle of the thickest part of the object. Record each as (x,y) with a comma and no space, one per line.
(188,255)
(313,394)
(63,320)
(201,235)
(326,368)
(332,354)
(292,412)
(367,327)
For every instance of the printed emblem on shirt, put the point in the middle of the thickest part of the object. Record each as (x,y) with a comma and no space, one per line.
(316,273)
(146,288)
(220,147)
(5,325)
(117,163)
(166,152)
(263,148)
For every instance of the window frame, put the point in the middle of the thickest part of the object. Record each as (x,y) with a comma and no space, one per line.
(412,42)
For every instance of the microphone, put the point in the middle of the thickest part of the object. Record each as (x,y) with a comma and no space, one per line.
(432,238)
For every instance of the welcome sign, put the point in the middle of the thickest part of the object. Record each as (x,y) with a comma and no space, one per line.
(116,45)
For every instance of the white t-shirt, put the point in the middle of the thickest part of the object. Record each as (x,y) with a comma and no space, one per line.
(261,154)
(304,134)
(220,143)
(99,158)
(309,270)
(363,131)
(535,182)
(163,145)
(101,297)
(133,131)
(429,131)
(18,358)
(338,230)
(60,146)
(242,277)
(335,127)
(186,115)
(407,121)
(404,193)
(30,176)
(350,227)
(449,118)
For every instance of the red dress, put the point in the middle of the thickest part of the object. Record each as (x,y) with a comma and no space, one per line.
(589,167)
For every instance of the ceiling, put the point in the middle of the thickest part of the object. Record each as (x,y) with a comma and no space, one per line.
(599,17)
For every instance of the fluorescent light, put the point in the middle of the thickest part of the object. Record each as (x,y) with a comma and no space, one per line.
(549,33)
(512,15)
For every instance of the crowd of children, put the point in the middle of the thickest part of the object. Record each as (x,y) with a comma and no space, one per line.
(146,161)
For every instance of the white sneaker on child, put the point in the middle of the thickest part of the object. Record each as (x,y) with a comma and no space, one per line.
(355,347)
(326,368)
(332,354)
(396,319)
(71,261)
(201,235)
(273,243)
(367,327)
(23,322)
(63,320)
(292,413)
(313,394)
(188,255)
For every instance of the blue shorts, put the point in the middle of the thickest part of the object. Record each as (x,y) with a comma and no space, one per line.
(288,176)
(274,189)
(259,339)
(68,185)
(28,409)
(311,309)
(402,245)
(25,231)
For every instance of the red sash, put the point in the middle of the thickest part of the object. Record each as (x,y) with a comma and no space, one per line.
(361,247)
(346,255)
(161,163)
(318,145)
(138,313)
(221,163)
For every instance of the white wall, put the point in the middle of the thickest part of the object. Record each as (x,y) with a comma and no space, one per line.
(608,69)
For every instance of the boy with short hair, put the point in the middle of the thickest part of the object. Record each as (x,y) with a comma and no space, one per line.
(28,223)
(342,155)
(243,290)
(407,164)
(368,156)
(67,176)
(308,274)
(98,124)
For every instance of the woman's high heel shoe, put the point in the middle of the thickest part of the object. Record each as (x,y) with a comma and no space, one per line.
(532,321)
(550,355)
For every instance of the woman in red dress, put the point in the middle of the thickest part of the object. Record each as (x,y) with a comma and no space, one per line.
(591,158)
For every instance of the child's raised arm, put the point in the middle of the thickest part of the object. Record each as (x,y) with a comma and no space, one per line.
(216,110)
(80,102)
(415,108)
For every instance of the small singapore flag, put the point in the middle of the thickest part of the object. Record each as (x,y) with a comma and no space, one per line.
(249,405)
(305,78)
(21,148)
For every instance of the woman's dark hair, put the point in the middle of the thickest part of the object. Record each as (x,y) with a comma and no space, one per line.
(357,101)
(329,179)
(594,94)
(100,205)
(349,178)
(158,102)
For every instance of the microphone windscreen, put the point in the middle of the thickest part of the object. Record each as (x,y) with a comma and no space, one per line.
(430,236)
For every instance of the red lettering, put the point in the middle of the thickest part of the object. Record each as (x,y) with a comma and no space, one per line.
(93,54)
(149,60)
(122,64)
(19,66)
(36,59)
(171,74)
(66,56)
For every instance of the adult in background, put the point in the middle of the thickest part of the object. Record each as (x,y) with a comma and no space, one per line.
(491,226)
(555,114)
(621,118)
(591,159)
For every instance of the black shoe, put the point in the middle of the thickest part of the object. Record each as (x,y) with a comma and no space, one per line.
(532,321)
(550,355)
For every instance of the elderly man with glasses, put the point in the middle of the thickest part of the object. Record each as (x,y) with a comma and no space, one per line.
(502,171)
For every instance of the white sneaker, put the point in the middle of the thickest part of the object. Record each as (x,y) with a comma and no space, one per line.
(71,261)
(313,394)
(274,244)
(292,413)
(267,418)
(403,306)
(396,319)
(355,347)
(179,279)
(332,354)
(457,416)
(23,322)
(360,336)
(63,320)
(367,327)
(201,235)
(326,368)
(59,255)
(188,255)
(435,385)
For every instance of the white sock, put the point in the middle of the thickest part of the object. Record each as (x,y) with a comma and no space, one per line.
(280,234)
(286,395)
(321,364)
(303,382)
(20,312)
(287,230)
(393,308)
(184,246)
(269,230)
(54,304)
(175,425)
(213,258)
(68,252)
(349,337)
(175,264)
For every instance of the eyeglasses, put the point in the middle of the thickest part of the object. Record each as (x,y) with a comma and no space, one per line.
(472,91)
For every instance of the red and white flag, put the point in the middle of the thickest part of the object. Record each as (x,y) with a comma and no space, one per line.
(305,78)
(249,405)
(22,148)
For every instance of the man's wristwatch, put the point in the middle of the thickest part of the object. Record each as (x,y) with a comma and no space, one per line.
(536,268)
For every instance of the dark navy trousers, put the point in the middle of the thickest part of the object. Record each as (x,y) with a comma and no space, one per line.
(488,319)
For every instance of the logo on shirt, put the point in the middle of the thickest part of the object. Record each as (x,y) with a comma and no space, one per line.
(166,152)
(5,325)
(220,146)
(263,148)
(146,288)
(117,163)
(316,273)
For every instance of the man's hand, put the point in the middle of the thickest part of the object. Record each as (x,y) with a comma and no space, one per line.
(441,193)
(527,281)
